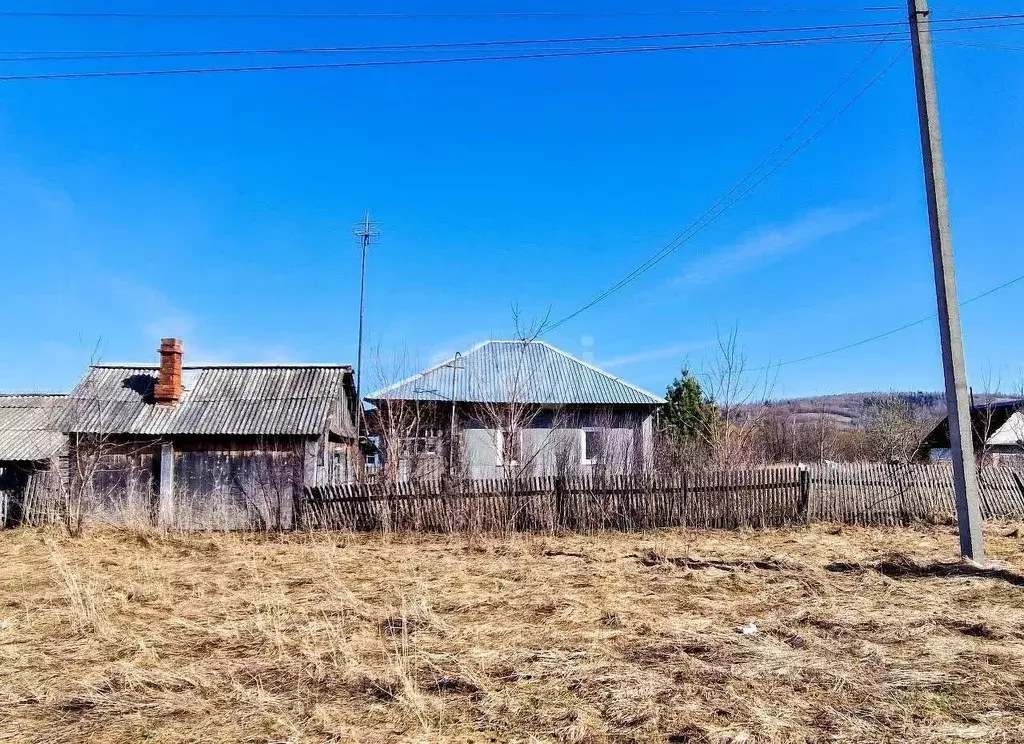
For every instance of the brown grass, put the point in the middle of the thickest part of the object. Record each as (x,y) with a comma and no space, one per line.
(863,635)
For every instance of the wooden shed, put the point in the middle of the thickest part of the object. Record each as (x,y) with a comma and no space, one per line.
(30,450)
(218,446)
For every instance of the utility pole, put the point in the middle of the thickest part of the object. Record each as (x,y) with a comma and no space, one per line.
(965,474)
(366,232)
(451,432)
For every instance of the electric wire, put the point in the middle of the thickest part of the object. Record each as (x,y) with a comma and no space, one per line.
(731,198)
(615,51)
(495,15)
(885,334)
(103,55)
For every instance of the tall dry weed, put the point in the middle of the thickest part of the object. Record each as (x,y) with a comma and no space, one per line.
(84,601)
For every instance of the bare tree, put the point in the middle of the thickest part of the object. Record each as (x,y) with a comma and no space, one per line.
(894,429)
(740,399)
(985,418)
(518,407)
(409,433)
(104,477)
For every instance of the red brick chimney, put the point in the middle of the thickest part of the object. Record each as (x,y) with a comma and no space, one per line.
(168,385)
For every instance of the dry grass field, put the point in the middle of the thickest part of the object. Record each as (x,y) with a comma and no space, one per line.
(142,637)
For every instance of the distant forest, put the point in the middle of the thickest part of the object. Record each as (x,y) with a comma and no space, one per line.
(849,410)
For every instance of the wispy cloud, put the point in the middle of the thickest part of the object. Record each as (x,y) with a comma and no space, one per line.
(773,241)
(157,316)
(446,350)
(663,352)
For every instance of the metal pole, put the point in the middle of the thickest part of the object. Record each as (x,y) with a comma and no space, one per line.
(451,434)
(965,475)
(365,242)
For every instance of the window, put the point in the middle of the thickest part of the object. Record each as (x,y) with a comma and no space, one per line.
(508,447)
(592,445)
(372,458)
(427,442)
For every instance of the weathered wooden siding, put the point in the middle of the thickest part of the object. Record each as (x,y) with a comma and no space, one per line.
(229,483)
(26,493)
(236,484)
(13,479)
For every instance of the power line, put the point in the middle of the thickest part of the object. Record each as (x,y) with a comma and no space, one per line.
(458,44)
(496,15)
(551,54)
(885,334)
(731,198)
(986,45)
(97,55)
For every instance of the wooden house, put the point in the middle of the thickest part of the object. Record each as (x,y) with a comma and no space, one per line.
(998,434)
(30,451)
(513,409)
(222,446)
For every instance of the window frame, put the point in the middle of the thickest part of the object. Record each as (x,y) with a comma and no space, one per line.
(499,448)
(584,460)
(424,443)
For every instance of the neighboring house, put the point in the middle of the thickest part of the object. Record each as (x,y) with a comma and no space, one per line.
(30,450)
(519,408)
(217,445)
(998,430)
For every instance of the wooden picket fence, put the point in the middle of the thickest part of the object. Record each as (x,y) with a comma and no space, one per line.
(768,497)
(756,498)
(898,494)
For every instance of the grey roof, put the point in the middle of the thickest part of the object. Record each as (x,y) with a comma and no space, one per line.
(986,419)
(1011,433)
(518,372)
(27,433)
(271,400)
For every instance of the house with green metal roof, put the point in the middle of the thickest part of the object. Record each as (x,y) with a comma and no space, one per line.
(514,408)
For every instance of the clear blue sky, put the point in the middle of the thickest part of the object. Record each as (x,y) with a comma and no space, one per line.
(219,208)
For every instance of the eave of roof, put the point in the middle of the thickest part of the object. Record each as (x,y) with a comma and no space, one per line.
(27,431)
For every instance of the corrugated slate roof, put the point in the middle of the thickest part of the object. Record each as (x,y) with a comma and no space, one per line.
(1011,433)
(271,400)
(27,431)
(518,372)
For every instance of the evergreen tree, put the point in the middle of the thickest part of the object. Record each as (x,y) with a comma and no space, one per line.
(689,414)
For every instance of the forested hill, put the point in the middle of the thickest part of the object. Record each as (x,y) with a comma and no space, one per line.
(850,409)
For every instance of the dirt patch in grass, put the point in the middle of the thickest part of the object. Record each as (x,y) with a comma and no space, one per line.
(861,635)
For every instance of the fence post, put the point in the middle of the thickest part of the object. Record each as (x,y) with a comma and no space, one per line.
(805,493)
(686,499)
(298,508)
(559,503)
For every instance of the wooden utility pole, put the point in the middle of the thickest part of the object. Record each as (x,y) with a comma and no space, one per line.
(965,474)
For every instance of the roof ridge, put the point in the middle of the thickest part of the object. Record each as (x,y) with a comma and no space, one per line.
(597,369)
(655,399)
(427,371)
(226,365)
(34,395)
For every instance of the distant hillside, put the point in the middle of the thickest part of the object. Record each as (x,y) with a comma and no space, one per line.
(850,409)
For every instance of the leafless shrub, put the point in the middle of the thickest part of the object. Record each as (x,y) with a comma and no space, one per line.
(894,429)
(738,403)
(786,436)
(410,433)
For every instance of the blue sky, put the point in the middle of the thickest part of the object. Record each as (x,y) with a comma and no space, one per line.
(219,208)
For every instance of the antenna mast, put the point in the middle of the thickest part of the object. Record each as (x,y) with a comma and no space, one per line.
(366,232)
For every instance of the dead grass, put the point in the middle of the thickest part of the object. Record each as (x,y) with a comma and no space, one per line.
(863,635)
